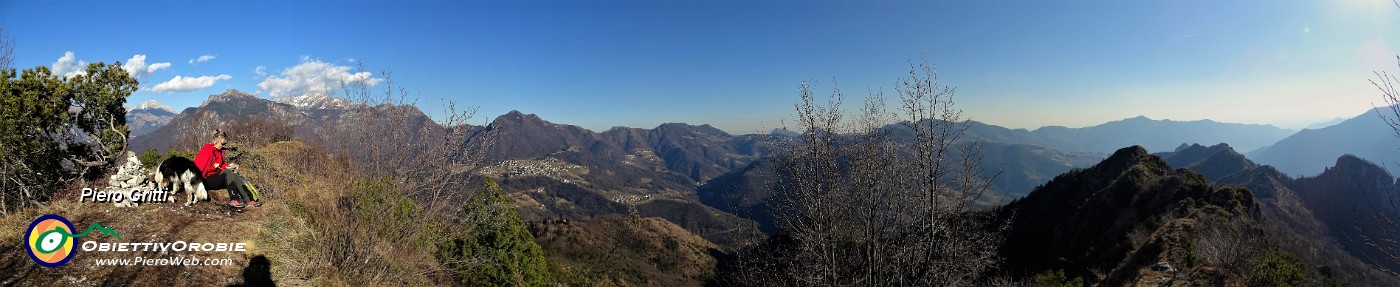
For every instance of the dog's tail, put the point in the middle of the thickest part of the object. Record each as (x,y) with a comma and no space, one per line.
(159,177)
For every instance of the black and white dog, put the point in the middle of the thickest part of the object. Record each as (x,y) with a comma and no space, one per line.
(181,172)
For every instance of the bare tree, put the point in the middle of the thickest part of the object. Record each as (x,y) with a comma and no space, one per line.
(7,50)
(1229,243)
(200,130)
(857,207)
(1389,241)
(387,136)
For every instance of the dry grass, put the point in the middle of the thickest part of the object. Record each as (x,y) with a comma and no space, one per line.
(619,250)
(305,228)
(324,238)
(150,222)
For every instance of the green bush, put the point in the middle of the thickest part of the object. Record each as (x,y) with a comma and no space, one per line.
(55,128)
(376,201)
(181,153)
(1056,278)
(1277,268)
(496,239)
(150,158)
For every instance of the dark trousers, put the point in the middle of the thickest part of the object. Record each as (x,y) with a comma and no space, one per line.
(231,181)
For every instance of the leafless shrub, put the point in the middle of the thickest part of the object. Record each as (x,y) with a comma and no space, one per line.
(1228,243)
(855,207)
(1387,241)
(379,190)
(200,130)
(259,130)
(7,50)
(389,137)
(1139,236)
(1376,230)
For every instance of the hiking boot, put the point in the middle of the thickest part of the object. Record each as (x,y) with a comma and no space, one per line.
(254,203)
(236,204)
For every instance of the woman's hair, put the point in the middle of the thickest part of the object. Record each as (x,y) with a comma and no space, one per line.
(218,134)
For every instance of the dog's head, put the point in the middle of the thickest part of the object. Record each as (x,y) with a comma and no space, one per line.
(156,176)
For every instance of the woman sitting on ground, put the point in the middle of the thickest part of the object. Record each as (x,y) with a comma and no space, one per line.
(219,174)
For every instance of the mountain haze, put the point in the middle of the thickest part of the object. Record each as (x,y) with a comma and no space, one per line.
(1158,134)
(1310,151)
(1152,134)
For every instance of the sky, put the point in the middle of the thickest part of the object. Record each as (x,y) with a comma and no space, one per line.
(737,65)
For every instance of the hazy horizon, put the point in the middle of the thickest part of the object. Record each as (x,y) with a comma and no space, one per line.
(737,65)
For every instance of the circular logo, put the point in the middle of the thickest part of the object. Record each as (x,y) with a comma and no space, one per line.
(50,240)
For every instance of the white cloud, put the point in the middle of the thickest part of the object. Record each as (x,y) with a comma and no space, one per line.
(69,66)
(185,84)
(314,76)
(201,59)
(157,66)
(261,71)
(136,66)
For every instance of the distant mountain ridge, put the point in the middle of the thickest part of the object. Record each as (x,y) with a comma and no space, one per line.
(1309,151)
(221,109)
(147,117)
(1142,131)
(317,101)
(151,104)
(1214,162)
(1328,123)
(1020,167)
(1159,134)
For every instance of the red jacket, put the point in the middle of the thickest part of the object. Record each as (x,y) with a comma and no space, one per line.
(210,160)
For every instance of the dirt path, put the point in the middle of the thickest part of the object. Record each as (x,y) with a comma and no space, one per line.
(207,222)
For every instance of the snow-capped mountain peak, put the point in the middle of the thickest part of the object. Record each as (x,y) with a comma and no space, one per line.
(151,104)
(317,101)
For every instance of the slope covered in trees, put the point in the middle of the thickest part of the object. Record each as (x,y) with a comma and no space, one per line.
(1132,220)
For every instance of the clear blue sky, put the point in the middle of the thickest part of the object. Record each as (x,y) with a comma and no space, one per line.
(737,65)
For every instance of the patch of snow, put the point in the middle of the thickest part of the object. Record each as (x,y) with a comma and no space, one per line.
(317,101)
(151,104)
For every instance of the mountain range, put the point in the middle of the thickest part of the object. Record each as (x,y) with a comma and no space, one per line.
(1314,217)
(1309,151)
(317,101)
(1110,218)
(1082,222)
(1142,131)
(1135,210)
(551,170)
